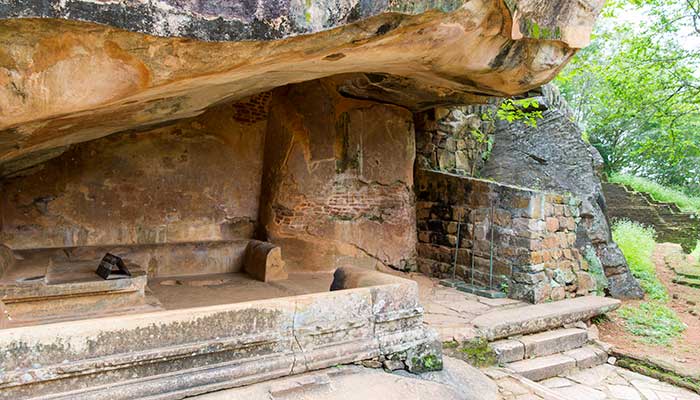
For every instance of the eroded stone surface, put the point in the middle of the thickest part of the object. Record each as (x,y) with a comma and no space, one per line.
(192,351)
(552,156)
(63,82)
(339,178)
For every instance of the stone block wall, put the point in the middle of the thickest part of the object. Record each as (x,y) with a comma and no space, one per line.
(454,139)
(529,235)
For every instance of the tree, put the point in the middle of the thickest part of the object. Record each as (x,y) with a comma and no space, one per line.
(636,92)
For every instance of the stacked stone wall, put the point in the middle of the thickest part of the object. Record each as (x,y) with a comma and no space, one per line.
(529,235)
(454,139)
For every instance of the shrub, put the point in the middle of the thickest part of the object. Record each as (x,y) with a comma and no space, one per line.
(637,243)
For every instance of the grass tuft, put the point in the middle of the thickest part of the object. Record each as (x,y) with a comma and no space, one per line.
(653,322)
(659,192)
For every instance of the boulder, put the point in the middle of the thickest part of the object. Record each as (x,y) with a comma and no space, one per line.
(553,157)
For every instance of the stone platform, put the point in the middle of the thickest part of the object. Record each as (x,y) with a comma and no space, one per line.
(184,352)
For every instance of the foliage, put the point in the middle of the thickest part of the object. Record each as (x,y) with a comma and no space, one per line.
(525,110)
(653,322)
(659,192)
(636,91)
(637,243)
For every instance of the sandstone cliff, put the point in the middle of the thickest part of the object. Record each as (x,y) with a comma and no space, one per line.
(79,70)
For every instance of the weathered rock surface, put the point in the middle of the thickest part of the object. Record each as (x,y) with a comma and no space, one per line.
(470,382)
(553,157)
(346,383)
(338,180)
(64,81)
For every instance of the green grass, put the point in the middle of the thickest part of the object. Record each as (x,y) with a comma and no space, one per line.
(637,243)
(653,322)
(659,192)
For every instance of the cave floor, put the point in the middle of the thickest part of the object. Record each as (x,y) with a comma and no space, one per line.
(208,290)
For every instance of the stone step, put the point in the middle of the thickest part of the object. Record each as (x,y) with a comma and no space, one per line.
(541,368)
(684,280)
(539,344)
(542,317)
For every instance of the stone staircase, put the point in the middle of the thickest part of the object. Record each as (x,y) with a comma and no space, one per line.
(546,340)
(671,224)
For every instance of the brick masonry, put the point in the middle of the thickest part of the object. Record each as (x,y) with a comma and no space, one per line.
(529,235)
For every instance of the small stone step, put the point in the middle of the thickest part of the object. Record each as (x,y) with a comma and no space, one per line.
(684,280)
(508,350)
(541,368)
(539,344)
(552,342)
(588,356)
(541,317)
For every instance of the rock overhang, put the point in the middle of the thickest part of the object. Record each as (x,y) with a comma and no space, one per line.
(73,71)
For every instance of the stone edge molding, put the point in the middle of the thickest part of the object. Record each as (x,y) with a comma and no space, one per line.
(180,353)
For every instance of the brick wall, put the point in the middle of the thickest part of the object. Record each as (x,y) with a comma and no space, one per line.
(530,236)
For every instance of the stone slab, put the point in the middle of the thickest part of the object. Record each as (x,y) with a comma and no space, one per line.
(508,350)
(263,261)
(588,356)
(481,292)
(349,383)
(555,341)
(542,317)
(538,369)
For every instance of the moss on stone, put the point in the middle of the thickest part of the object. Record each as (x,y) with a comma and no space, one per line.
(476,352)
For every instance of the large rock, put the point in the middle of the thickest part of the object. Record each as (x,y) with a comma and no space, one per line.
(64,80)
(553,157)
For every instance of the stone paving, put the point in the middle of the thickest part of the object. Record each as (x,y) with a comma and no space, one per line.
(604,382)
(451,312)
(607,382)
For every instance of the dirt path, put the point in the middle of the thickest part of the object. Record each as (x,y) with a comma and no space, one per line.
(683,355)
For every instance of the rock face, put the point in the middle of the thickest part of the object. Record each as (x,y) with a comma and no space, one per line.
(553,157)
(64,81)
(339,180)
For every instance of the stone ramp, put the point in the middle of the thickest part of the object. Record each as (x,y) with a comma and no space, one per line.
(541,317)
